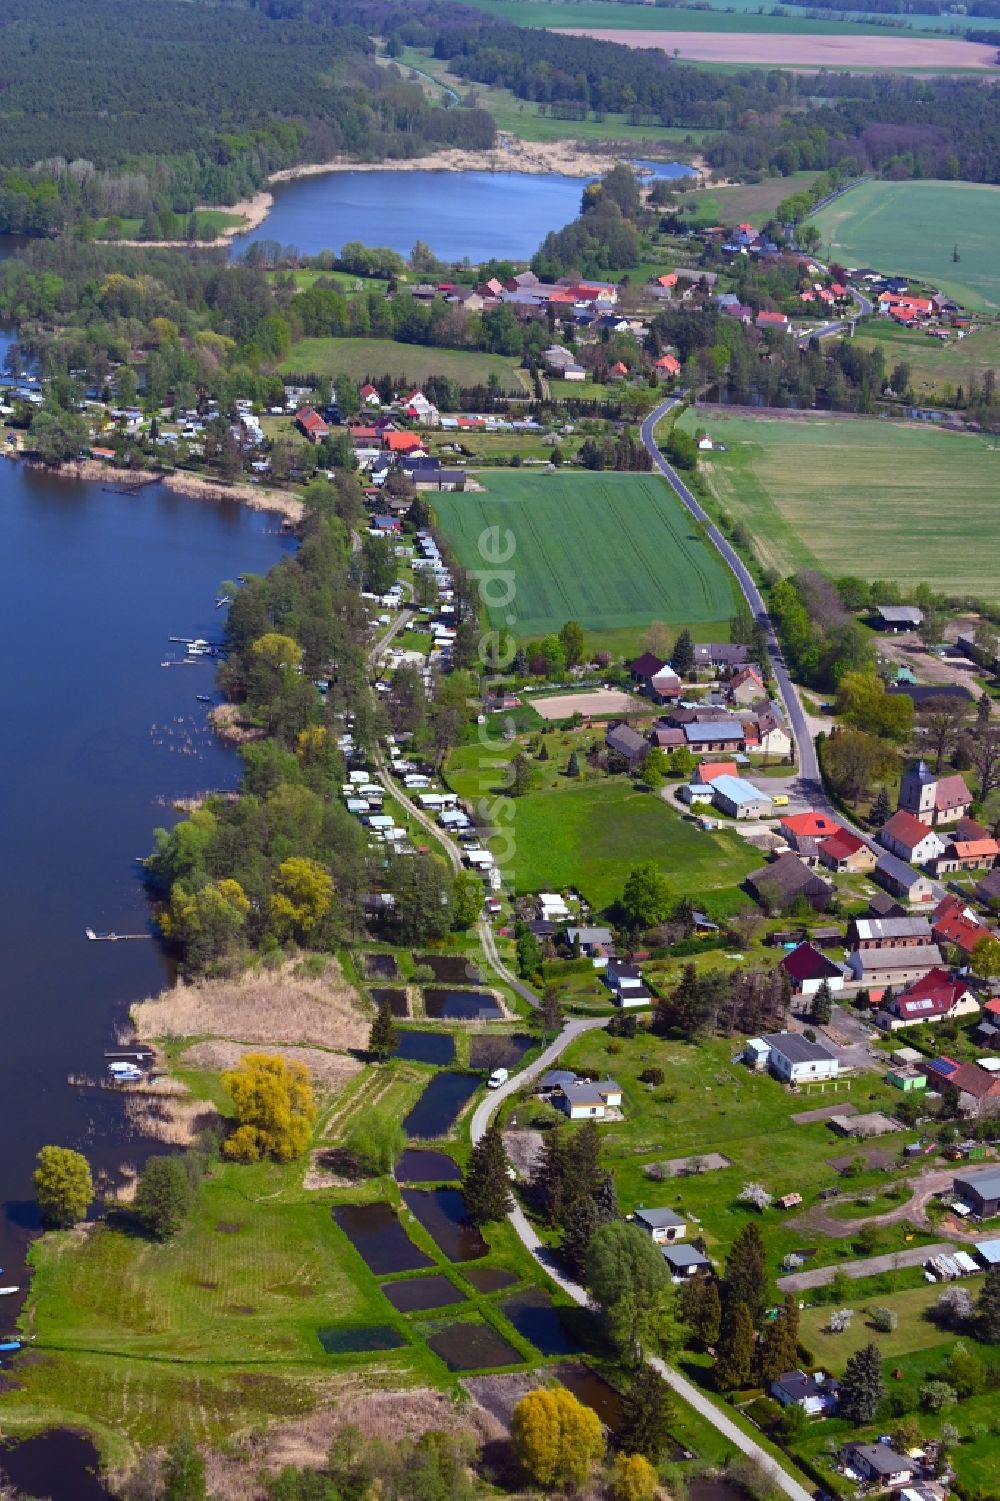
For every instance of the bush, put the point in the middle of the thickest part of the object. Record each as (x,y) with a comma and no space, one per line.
(652,1076)
(935,1396)
(163,1196)
(884,1320)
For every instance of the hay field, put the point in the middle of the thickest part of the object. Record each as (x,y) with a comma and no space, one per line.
(815,49)
(914,229)
(608,550)
(363,359)
(877,499)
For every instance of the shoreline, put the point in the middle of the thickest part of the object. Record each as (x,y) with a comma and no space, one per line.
(194,486)
(509,155)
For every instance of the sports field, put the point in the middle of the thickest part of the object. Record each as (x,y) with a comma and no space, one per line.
(360,358)
(608,550)
(877,499)
(915,228)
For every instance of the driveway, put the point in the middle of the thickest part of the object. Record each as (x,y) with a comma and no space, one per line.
(871,1266)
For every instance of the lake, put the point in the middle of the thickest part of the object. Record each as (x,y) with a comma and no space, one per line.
(459,214)
(92,582)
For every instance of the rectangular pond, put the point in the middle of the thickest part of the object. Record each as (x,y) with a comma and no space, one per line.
(489,1279)
(379,1239)
(471,1347)
(594,1392)
(424,1047)
(440,1105)
(450,969)
(441,1211)
(494,1050)
(381,967)
(537,1320)
(462,1005)
(392,996)
(357,1339)
(416,1294)
(427,1167)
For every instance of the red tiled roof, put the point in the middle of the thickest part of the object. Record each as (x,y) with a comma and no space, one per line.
(951,792)
(709,770)
(907,829)
(811,825)
(842,846)
(402,442)
(936,987)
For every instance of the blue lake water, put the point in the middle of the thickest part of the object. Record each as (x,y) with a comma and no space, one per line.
(92,582)
(459,214)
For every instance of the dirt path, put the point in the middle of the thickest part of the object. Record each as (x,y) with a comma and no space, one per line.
(871,1266)
(817,1221)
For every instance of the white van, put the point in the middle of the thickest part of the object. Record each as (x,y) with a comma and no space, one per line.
(497,1077)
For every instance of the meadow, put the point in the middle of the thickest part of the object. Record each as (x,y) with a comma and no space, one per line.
(362,358)
(937,367)
(608,550)
(754,202)
(732,15)
(845,495)
(914,229)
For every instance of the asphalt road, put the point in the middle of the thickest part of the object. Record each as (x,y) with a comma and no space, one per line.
(743,1442)
(809,776)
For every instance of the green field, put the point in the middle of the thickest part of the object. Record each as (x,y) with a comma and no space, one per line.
(608,550)
(877,499)
(937,368)
(209,222)
(361,358)
(913,228)
(753,202)
(736,15)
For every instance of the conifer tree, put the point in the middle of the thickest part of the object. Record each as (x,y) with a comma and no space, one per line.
(382,1039)
(581,1222)
(746,1272)
(573,765)
(551,1178)
(881,808)
(485,1185)
(780,1345)
(861,1386)
(701,1309)
(822,1006)
(988,1308)
(682,659)
(734,1352)
(646,1415)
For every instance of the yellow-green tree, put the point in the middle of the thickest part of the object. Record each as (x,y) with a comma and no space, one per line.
(303,894)
(633,1478)
(208,922)
(63,1185)
(274,1107)
(556,1438)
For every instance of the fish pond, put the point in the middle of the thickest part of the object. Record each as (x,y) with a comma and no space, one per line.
(414,1166)
(462,1005)
(440,1105)
(424,1047)
(417,1294)
(441,1211)
(379,1239)
(541,1323)
(473,1346)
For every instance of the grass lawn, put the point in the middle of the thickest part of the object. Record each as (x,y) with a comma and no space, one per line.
(912,228)
(608,550)
(915,1330)
(589,836)
(210,222)
(936,367)
(867,497)
(361,358)
(705,1104)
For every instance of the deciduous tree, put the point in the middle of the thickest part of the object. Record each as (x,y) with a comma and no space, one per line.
(630,1283)
(274,1108)
(556,1438)
(64,1187)
(646,899)
(163,1196)
(633,1478)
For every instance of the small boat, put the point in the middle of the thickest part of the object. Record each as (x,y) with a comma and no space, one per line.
(8,1292)
(204,698)
(8,1346)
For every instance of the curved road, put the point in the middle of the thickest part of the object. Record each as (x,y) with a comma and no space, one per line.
(808,763)
(685,1390)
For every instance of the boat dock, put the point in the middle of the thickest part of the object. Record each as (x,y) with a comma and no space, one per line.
(93,937)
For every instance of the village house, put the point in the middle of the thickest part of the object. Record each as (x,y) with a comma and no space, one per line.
(707,772)
(627,744)
(978,1088)
(878,1464)
(934,998)
(661,1225)
(902,880)
(370,397)
(816,1395)
(807,967)
(715,735)
(746,687)
(934,800)
(720,656)
(768,728)
(421,410)
(594,943)
(815,826)
(658,679)
(956,924)
(969,847)
(792,1058)
(778,885)
(581,1100)
(667,366)
(845,853)
(626,984)
(765,320)
(913,841)
(311,425)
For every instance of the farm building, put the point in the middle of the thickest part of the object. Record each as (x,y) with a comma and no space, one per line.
(898,617)
(905,836)
(981,1191)
(902,880)
(627,744)
(779,884)
(881,967)
(685,1261)
(740,798)
(807,967)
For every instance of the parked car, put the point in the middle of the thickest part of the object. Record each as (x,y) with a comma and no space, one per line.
(497,1077)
